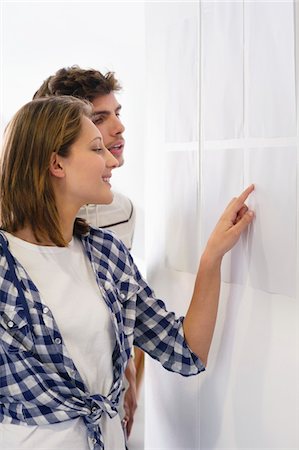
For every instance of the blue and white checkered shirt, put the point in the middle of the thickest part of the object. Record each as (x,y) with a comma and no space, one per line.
(39,384)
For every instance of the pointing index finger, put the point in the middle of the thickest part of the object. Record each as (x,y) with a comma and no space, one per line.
(243,197)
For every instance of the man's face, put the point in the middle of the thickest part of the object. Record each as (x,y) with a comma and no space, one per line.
(106,118)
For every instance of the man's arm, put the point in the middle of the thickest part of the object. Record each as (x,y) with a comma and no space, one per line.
(130,397)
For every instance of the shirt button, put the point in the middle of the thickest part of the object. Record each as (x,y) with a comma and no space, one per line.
(107,285)
(123,296)
(57,341)
(10,324)
(45,310)
(93,441)
(94,409)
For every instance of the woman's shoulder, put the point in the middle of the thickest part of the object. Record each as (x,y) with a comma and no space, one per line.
(105,240)
(109,252)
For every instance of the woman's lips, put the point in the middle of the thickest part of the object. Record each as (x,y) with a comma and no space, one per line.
(106,180)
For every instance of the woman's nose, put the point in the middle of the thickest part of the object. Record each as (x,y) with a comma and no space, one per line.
(111,161)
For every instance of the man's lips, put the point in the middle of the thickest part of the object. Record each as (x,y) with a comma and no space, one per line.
(117,147)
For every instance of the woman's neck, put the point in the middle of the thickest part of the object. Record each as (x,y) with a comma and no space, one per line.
(26,234)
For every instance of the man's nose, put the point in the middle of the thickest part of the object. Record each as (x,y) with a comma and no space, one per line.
(117,126)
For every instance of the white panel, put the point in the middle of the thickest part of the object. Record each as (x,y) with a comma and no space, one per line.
(249,396)
(273,239)
(171,401)
(222,69)
(270,68)
(181,195)
(181,75)
(176,428)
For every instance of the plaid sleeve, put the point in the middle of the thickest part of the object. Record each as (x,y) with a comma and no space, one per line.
(160,333)
(146,321)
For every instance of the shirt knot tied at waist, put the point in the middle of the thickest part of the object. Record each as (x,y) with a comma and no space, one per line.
(98,405)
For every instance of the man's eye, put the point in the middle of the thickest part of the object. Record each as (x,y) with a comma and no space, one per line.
(98,120)
(98,150)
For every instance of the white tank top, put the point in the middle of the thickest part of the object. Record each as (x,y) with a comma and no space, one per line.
(67,285)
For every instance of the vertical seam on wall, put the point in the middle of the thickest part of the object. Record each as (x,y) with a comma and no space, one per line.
(296,35)
(200,149)
(200,110)
(244,86)
(201,125)
(296,56)
(245,98)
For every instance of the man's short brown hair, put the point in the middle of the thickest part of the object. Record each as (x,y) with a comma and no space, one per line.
(83,83)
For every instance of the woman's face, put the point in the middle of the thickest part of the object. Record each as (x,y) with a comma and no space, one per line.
(88,168)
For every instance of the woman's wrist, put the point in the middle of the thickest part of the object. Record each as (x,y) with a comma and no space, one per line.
(210,259)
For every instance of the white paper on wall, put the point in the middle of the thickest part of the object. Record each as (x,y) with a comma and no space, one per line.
(182,211)
(270,68)
(222,71)
(181,78)
(222,179)
(272,249)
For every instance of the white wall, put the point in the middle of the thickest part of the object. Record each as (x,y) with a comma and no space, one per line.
(249,396)
(38,38)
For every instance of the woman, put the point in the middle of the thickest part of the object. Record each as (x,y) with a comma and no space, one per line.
(72,300)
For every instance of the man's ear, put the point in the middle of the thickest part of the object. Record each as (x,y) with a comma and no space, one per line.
(56,166)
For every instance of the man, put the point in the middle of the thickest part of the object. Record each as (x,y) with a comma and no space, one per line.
(119,216)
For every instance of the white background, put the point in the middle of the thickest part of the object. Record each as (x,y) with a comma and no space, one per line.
(243,96)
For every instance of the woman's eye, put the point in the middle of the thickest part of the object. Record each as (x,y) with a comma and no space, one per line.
(98,150)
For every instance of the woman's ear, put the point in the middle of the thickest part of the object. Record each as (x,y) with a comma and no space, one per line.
(56,166)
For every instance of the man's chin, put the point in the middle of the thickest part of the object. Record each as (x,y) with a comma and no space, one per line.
(121,161)
(108,199)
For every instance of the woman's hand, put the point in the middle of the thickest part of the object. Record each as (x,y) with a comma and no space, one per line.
(231,224)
